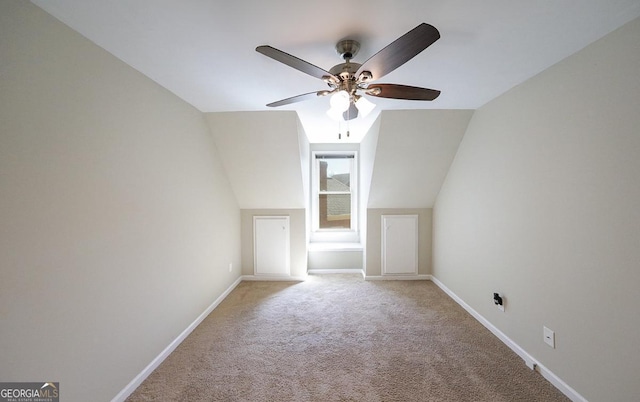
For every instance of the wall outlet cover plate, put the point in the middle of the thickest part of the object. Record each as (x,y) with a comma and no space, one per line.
(549,337)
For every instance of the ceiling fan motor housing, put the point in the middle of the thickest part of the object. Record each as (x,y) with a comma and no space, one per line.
(347,49)
(346,73)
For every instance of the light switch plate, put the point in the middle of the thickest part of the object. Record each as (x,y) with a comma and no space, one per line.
(549,337)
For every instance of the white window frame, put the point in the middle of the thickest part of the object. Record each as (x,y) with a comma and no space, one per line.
(341,234)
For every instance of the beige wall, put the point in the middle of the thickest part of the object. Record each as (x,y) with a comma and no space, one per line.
(305,160)
(297,236)
(541,204)
(368,148)
(117,222)
(335,260)
(373,257)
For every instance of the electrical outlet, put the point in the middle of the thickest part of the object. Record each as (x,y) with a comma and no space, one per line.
(549,337)
(230,266)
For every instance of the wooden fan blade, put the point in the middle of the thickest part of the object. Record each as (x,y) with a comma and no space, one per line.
(293,61)
(351,113)
(395,91)
(298,98)
(400,51)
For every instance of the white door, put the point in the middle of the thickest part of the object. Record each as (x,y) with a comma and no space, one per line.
(271,245)
(399,244)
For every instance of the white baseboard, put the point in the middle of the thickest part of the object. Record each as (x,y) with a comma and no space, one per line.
(278,278)
(397,277)
(530,361)
(135,383)
(334,271)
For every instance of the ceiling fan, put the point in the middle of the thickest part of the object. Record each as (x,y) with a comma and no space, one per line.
(348,81)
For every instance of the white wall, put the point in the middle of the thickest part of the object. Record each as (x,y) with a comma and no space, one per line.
(414,151)
(541,204)
(117,223)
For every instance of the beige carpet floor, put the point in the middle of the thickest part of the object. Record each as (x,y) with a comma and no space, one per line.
(340,338)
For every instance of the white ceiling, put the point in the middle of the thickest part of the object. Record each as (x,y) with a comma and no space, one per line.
(204,50)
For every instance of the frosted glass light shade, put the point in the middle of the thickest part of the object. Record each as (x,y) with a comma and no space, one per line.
(340,101)
(364,106)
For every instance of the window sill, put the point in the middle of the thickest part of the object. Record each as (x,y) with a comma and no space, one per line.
(335,236)
(329,246)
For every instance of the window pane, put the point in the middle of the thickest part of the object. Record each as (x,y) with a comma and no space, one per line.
(335,211)
(335,174)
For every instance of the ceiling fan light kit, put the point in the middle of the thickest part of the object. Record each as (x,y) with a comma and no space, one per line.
(349,82)
(340,101)
(364,105)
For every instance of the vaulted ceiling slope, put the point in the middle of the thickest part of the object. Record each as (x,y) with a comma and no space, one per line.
(264,157)
(414,151)
(261,154)
(203,51)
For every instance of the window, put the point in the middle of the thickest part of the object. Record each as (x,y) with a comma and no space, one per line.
(334,192)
